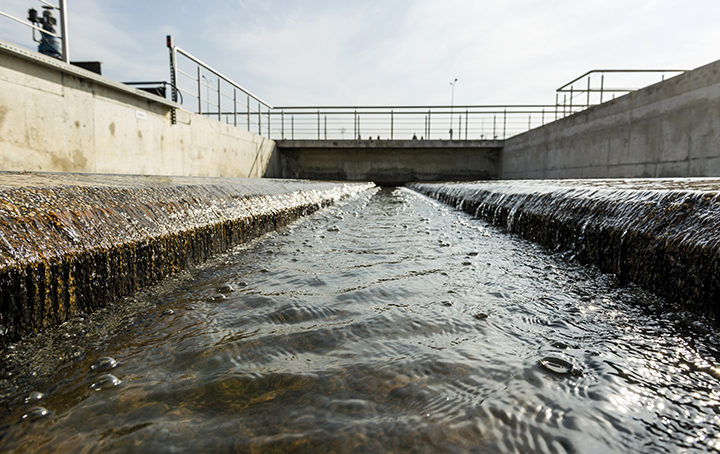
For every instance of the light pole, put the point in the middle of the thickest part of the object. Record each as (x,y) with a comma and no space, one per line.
(452,103)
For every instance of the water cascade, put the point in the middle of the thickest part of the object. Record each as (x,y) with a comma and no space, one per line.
(660,233)
(71,243)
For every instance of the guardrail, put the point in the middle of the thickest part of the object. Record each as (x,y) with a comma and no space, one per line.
(218,96)
(462,122)
(245,110)
(586,91)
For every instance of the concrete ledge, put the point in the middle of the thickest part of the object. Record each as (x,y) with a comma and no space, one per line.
(72,243)
(659,233)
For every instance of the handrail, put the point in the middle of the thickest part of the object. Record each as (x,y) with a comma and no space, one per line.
(593,71)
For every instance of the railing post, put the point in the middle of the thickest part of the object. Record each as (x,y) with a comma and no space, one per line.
(358,128)
(494,123)
(428,134)
(173,77)
(64,31)
(199,85)
(425,127)
(268,111)
(292,127)
(529,120)
(248,113)
(235,107)
(466,124)
(459,126)
(259,118)
(504,123)
(391,124)
(318,123)
(325,120)
(602,87)
(588,94)
(282,124)
(355,124)
(557,103)
(571,98)
(542,117)
(219,102)
(565,105)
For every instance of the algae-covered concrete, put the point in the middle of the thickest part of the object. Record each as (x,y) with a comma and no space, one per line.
(659,233)
(70,243)
(56,117)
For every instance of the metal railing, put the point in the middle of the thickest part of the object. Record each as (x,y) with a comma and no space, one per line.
(223,98)
(210,93)
(462,122)
(62,36)
(590,89)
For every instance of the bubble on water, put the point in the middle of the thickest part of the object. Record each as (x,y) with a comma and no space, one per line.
(34,396)
(106,381)
(557,365)
(227,288)
(334,228)
(560,345)
(168,312)
(481,316)
(447,303)
(472,254)
(218,297)
(36,413)
(245,284)
(103,363)
(467,263)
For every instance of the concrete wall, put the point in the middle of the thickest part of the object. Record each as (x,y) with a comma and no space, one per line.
(665,130)
(57,117)
(389,161)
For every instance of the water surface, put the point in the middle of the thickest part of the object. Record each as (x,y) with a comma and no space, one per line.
(390,323)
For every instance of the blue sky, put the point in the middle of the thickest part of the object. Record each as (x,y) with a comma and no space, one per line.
(391,51)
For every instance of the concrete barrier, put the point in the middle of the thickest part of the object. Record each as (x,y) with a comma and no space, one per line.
(72,243)
(661,234)
(61,118)
(669,129)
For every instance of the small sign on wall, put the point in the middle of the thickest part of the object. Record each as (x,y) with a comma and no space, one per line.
(141,115)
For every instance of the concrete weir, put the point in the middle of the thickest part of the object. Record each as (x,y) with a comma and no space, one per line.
(71,243)
(659,233)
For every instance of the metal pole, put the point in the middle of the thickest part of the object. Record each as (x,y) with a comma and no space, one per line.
(428,134)
(282,124)
(564,104)
(504,123)
(355,123)
(219,102)
(494,122)
(542,117)
(64,31)
(268,122)
(173,76)
(325,120)
(425,127)
(199,81)
(259,118)
(557,102)
(292,127)
(466,124)
(318,123)
(602,87)
(588,94)
(358,118)
(529,120)
(459,126)
(235,107)
(571,99)
(248,113)
(392,119)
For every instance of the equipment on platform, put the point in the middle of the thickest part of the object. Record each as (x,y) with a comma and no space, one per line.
(48,44)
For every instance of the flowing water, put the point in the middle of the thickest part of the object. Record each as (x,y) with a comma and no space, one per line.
(389,323)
